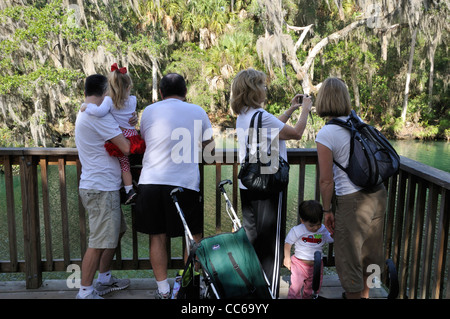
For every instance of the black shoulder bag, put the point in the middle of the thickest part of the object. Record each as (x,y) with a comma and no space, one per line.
(268,178)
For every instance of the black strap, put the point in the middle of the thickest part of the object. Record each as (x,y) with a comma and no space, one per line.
(247,282)
(251,131)
(217,281)
(349,126)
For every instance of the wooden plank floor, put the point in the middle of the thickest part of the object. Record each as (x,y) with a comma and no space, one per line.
(144,288)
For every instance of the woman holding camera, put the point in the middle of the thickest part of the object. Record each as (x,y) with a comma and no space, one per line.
(264,214)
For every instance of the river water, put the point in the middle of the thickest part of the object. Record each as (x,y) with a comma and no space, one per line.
(432,153)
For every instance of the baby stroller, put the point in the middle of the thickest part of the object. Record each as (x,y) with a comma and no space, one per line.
(230,266)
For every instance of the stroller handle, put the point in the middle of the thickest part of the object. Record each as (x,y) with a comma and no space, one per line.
(189,238)
(174,191)
(230,210)
(224,182)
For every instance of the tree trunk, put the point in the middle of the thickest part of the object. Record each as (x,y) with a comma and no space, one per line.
(408,75)
(385,36)
(433,47)
(354,76)
(384,46)
(154,80)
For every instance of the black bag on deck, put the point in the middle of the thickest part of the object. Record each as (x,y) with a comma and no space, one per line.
(252,173)
(372,158)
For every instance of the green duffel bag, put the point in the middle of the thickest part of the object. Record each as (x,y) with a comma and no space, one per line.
(232,266)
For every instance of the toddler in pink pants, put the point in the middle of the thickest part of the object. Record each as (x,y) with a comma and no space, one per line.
(307,237)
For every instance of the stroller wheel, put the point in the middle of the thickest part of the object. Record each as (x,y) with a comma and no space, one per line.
(316,271)
(393,280)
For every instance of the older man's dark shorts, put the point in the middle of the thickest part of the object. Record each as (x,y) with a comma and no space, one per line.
(156,212)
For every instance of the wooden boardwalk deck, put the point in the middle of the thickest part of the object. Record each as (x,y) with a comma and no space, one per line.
(144,288)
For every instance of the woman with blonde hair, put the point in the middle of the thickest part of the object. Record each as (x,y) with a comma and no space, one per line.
(358,221)
(264,214)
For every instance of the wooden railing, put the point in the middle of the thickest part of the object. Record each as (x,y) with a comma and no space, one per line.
(46,228)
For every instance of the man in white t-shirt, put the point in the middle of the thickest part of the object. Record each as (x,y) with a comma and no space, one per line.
(100,182)
(175,133)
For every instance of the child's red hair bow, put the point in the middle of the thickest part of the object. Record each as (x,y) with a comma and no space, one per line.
(114,67)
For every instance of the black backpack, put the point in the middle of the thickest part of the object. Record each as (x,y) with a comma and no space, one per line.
(372,158)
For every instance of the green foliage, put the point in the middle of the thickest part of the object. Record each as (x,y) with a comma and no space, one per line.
(392,125)
(428,133)
(444,128)
(25,83)
(208,41)
(7,138)
(19,73)
(281,91)
(40,22)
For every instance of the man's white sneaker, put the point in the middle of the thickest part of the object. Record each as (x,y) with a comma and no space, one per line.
(93,295)
(113,285)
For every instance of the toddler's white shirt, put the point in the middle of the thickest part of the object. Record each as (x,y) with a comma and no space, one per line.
(307,243)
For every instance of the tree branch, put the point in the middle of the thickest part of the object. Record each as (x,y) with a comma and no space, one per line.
(334,36)
(302,36)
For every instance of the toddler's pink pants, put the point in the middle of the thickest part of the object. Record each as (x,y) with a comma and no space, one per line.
(301,279)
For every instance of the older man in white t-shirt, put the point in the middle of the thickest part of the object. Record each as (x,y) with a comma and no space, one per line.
(100,182)
(175,132)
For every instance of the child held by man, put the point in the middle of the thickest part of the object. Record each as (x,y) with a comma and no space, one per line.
(121,105)
(307,237)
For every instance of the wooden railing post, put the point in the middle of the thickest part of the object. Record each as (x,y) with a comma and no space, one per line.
(442,246)
(31,229)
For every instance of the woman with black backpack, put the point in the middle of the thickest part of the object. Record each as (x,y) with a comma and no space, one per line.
(358,220)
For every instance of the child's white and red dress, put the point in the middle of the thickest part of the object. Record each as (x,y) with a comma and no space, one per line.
(122,116)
